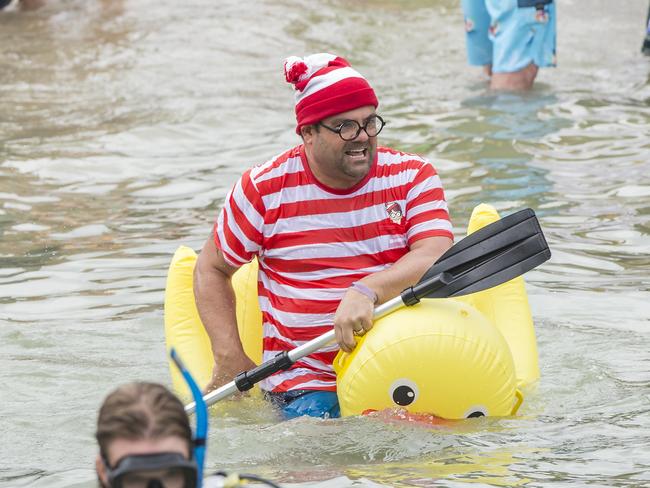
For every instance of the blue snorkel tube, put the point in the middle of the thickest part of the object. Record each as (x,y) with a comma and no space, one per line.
(201,431)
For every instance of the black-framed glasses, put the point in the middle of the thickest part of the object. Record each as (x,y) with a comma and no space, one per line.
(349,130)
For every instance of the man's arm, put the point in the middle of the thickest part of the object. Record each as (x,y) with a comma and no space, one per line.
(215,302)
(356,309)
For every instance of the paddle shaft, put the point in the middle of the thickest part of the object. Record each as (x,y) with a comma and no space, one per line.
(287,360)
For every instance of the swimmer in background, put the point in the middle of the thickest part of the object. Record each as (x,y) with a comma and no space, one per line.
(144,436)
(145,440)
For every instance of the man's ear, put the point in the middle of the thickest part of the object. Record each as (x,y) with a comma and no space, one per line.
(100,467)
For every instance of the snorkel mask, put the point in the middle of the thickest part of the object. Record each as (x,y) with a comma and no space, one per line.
(160,470)
(166,469)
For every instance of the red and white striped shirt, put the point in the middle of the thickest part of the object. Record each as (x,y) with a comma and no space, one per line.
(313,241)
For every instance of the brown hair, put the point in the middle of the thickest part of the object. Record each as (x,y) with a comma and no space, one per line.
(141,411)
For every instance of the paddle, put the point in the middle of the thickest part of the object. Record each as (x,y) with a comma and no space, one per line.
(490,256)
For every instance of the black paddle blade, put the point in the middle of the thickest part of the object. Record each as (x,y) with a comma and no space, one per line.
(490,256)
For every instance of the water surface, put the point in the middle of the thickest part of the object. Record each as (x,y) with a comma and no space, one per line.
(124,123)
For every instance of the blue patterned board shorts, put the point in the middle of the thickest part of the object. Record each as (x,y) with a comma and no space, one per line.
(298,403)
(510,34)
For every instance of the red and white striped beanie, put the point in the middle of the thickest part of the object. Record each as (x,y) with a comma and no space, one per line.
(326,85)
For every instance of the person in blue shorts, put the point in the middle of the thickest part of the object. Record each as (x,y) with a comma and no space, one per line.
(511,39)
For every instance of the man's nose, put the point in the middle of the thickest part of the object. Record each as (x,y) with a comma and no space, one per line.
(363,136)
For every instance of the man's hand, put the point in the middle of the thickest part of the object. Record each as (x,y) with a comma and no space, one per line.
(352,317)
(226,368)
(355,312)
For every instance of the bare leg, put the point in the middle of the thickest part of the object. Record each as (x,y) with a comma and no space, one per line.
(517,81)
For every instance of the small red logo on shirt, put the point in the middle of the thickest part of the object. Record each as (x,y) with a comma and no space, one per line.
(394,212)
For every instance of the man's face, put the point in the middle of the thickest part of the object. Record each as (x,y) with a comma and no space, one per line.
(343,163)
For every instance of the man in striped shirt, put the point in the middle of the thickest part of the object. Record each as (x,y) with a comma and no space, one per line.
(338,225)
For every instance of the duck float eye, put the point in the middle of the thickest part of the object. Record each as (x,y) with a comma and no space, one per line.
(476,411)
(403,392)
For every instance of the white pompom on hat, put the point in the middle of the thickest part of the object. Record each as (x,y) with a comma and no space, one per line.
(326,85)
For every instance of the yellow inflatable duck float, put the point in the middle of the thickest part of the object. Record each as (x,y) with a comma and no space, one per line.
(451,358)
